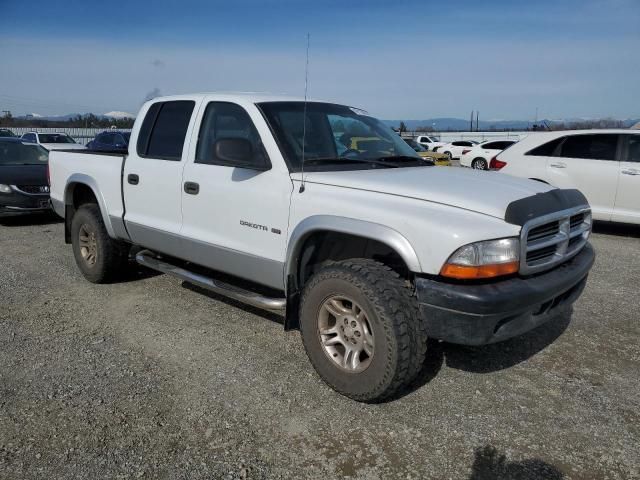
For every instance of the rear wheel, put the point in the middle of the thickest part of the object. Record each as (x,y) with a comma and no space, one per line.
(360,328)
(448,154)
(100,258)
(479,164)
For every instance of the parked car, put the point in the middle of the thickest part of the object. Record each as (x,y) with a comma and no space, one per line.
(429,142)
(478,157)
(110,140)
(367,253)
(439,159)
(23,178)
(603,164)
(454,149)
(5,132)
(53,141)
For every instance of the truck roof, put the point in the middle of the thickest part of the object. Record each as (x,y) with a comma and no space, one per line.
(253,97)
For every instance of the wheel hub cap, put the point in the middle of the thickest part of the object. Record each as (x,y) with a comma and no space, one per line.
(88,244)
(345,333)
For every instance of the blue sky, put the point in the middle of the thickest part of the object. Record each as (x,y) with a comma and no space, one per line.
(397,59)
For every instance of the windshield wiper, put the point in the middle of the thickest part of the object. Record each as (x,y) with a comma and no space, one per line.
(339,160)
(408,158)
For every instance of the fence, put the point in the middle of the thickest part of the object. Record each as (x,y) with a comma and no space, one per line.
(477,136)
(80,135)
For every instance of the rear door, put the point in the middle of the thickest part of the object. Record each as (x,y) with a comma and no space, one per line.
(589,163)
(152,177)
(627,205)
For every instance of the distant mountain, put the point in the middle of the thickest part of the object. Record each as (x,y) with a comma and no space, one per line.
(459,124)
(68,116)
(117,114)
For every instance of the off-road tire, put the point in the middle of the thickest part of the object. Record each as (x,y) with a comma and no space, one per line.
(111,259)
(392,309)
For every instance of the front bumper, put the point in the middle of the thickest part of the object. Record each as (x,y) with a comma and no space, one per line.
(19,203)
(480,314)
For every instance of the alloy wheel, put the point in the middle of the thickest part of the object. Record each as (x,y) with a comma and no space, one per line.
(345,333)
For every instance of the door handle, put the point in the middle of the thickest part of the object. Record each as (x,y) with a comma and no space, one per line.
(133,179)
(192,188)
(558,165)
(631,171)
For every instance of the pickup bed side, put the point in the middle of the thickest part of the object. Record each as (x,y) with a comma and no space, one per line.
(77,175)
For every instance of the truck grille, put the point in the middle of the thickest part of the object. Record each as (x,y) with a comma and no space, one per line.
(33,189)
(552,239)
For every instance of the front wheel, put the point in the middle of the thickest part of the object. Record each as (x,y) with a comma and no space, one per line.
(360,328)
(100,258)
(448,154)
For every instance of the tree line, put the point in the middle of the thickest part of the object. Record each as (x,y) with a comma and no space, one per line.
(78,121)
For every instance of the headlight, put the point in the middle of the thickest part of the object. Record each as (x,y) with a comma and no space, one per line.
(491,258)
(5,188)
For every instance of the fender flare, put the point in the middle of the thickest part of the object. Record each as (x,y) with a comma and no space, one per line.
(83,179)
(361,228)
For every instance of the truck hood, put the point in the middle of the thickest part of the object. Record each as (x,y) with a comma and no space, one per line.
(488,193)
(63,146)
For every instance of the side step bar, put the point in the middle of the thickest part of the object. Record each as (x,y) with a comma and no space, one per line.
(147,259)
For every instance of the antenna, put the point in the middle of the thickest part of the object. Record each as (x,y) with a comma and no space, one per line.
(304,114)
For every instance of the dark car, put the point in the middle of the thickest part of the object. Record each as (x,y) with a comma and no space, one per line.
(5,132)
(23,178)
(110,141)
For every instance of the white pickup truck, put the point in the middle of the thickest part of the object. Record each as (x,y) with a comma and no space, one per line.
(367,251)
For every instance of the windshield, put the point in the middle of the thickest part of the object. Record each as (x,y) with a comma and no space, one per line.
(333,132)
(16,153)
(55,138)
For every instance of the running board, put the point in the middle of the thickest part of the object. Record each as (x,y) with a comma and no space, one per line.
(147,259)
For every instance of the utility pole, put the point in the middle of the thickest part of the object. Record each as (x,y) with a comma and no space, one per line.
(477,115)
(471,122)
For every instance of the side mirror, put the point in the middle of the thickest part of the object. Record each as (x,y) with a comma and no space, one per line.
(238,152)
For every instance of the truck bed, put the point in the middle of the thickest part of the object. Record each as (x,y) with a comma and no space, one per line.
(102,171)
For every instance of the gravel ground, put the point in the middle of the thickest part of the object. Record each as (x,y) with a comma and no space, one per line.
(151,378)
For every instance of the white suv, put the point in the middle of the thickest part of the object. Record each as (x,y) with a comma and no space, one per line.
(603,164)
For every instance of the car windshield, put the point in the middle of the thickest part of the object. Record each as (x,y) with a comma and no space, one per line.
(16,153)
(336,136)
(55,138)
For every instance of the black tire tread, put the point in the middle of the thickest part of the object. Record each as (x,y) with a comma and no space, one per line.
(114,254)
(393,298)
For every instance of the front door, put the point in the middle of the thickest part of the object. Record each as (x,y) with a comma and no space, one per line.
(152,177)
(236,210)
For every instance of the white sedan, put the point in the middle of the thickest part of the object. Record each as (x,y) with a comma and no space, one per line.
(53,141)
(478,157)
(454,149)
(603,164)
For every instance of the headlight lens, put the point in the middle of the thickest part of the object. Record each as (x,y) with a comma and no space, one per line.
(491,258)
(5,188)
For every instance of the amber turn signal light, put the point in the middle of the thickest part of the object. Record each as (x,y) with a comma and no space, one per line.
(473,272)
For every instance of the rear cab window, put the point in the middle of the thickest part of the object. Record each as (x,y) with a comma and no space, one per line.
(164,130)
